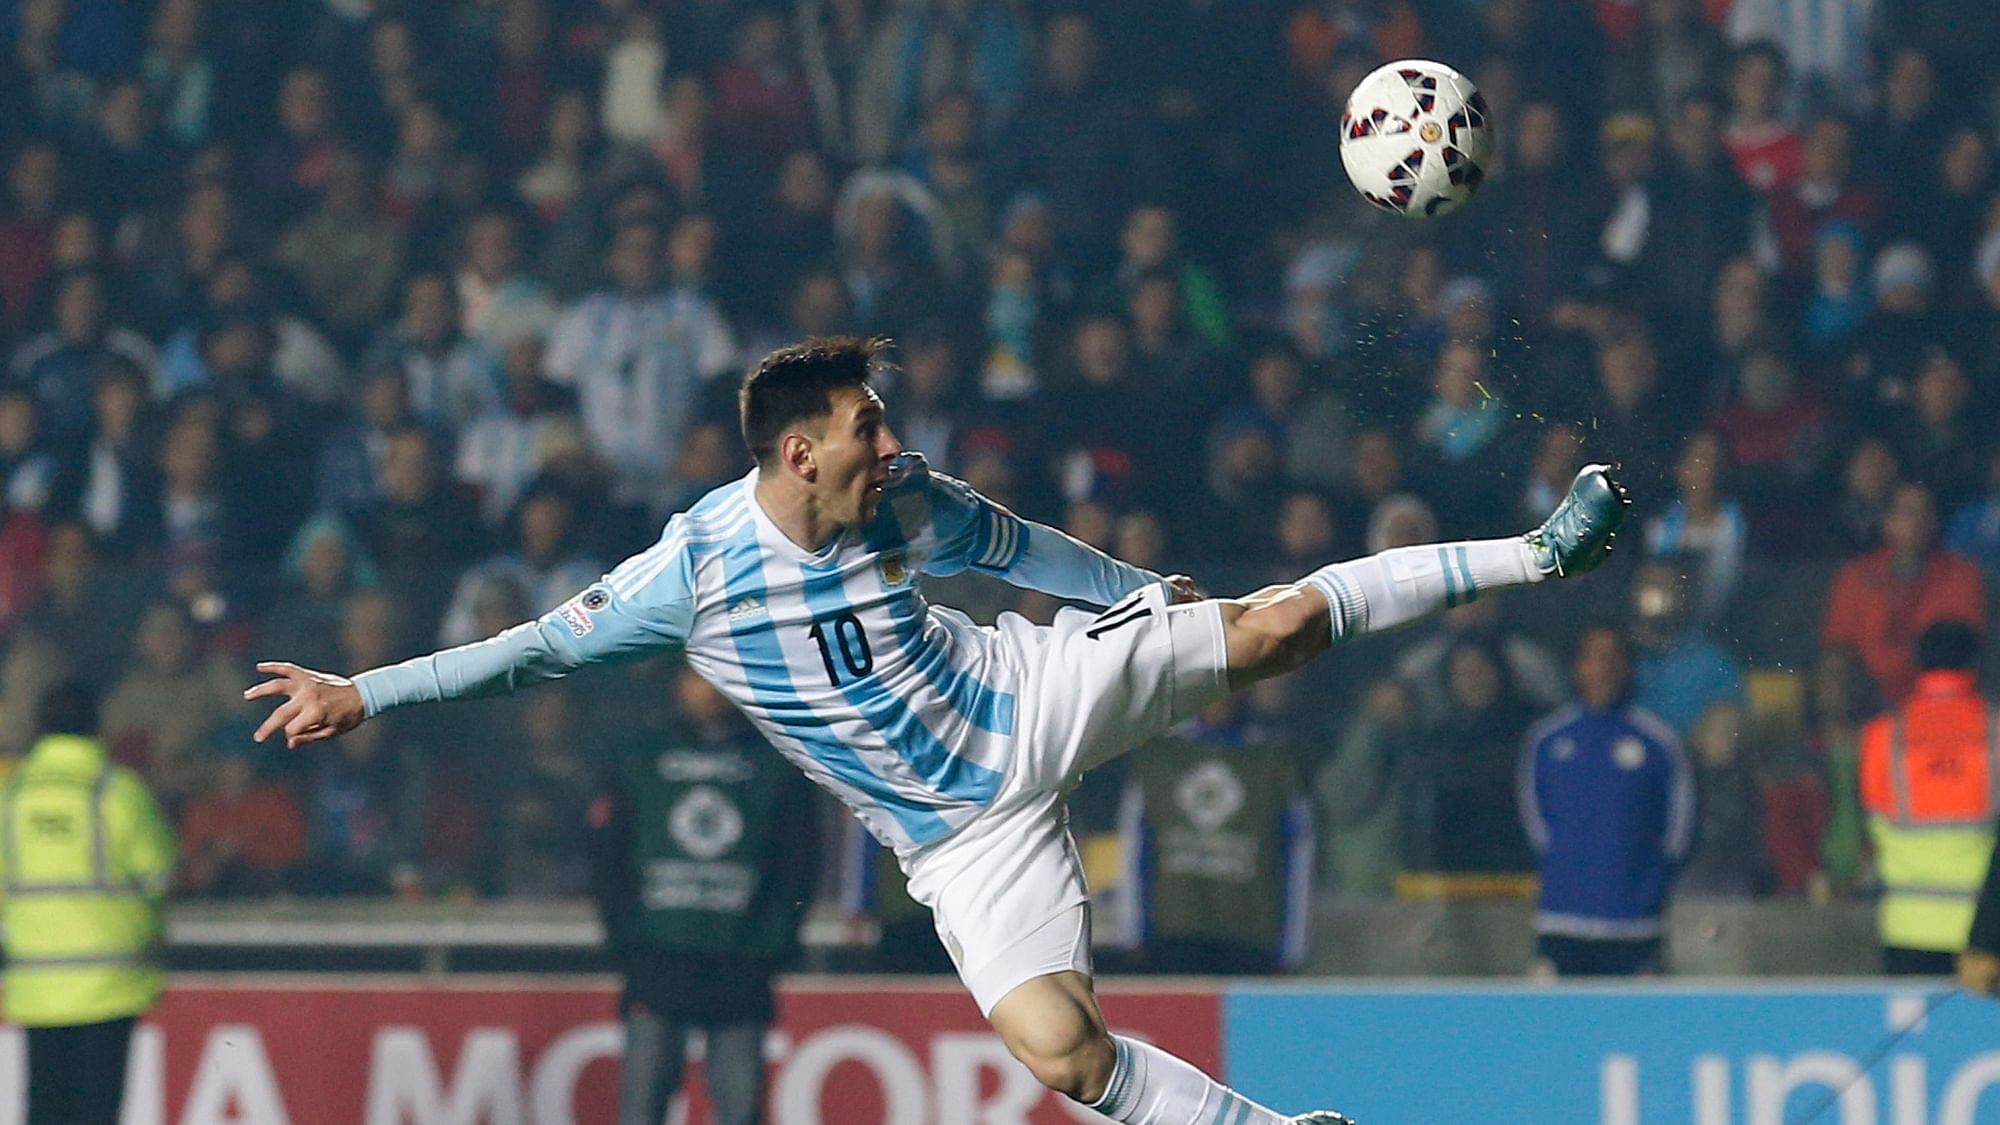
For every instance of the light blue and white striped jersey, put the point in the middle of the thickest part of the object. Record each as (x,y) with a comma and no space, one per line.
(903,710)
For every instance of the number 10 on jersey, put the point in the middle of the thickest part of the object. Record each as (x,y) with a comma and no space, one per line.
(844,634)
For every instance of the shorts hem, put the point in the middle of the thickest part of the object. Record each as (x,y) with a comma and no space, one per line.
(1032,955)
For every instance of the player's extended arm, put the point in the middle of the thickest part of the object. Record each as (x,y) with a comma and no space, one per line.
(1065,567)
(643,606)
(977,533)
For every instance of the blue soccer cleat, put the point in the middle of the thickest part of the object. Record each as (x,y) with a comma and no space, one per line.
(1577,535)
(1322,1117)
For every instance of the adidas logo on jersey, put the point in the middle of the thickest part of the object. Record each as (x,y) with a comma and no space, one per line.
(746,609)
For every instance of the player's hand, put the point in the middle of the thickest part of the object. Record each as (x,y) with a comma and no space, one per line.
(1183,589)
(317,705)
(1979,972)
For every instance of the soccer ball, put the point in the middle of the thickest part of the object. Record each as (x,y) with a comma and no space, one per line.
(1415,138)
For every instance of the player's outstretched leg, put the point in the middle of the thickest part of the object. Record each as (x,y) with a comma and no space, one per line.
(1052,1024)
(1278,629)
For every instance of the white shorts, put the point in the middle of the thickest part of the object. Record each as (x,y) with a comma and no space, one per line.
(1007,889)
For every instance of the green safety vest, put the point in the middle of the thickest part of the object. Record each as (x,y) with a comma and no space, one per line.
(86,860)
(724,846)
(1215,841)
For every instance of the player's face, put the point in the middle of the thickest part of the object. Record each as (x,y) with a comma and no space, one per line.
(853,458)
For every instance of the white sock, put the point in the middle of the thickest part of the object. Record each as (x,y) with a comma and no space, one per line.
(1394,588)
(1151,1087)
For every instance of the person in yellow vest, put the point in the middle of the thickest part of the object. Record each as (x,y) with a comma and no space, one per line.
(1928,771)
(85,863)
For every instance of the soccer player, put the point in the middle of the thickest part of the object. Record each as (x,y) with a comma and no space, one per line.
(793,591)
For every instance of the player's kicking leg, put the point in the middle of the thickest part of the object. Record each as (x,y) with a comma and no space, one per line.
(1052,1022)
(1279,628)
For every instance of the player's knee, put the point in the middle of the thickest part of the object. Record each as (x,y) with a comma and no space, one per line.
(1078,1068)
(1278,635)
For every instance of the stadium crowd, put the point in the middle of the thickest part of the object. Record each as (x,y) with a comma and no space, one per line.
(340,330)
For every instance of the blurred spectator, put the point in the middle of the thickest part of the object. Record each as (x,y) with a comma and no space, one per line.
(1608,801)
(1728,858)
(364,797)
(1361,795)
(1699,211)
(1071,134)
(63,364)
(420,532)
(792,239)
(344,256)
(498,303)
(1892,342)
(1938,442)
(1740,318)
(562,171)
(916,53)
(930,413)
(1679,673)
(1768,153)
(1956,194)
(891,248)
(83,620)
(1401,520)
(1150,243)
(543,562)
(179,75)
(1463,815)
(1842,298)
(1910,127)
(1775,435)
(1630,410)
(323,565)
(1218,849)
(450,380)
(1532,223)
(1826,43)
(112,484)
(1463,433)
(1423,667)
(1825,192)
(762,106)
(243,835)
(502,450)
(1927,783)
(542,827)
(1882,600)
(300,159)
(163,713)
(1842,697)
(27,464)
(1621,208)
(1238,510)
(34,179)
(1702,527)
(1975,527)
(636,396)
(1868,486)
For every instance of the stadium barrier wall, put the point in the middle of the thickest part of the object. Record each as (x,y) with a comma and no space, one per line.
(321,1050)
(329,1050)
(1664,1054)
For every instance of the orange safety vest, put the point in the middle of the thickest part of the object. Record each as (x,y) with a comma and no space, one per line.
(1930,780)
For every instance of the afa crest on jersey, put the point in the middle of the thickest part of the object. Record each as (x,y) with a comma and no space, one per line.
(895,571)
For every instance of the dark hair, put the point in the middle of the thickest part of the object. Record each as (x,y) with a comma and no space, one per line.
(1948,645)
(68,707)
(796,383)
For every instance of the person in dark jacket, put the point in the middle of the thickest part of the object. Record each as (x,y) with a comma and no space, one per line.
(1607,799)
(702,845)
